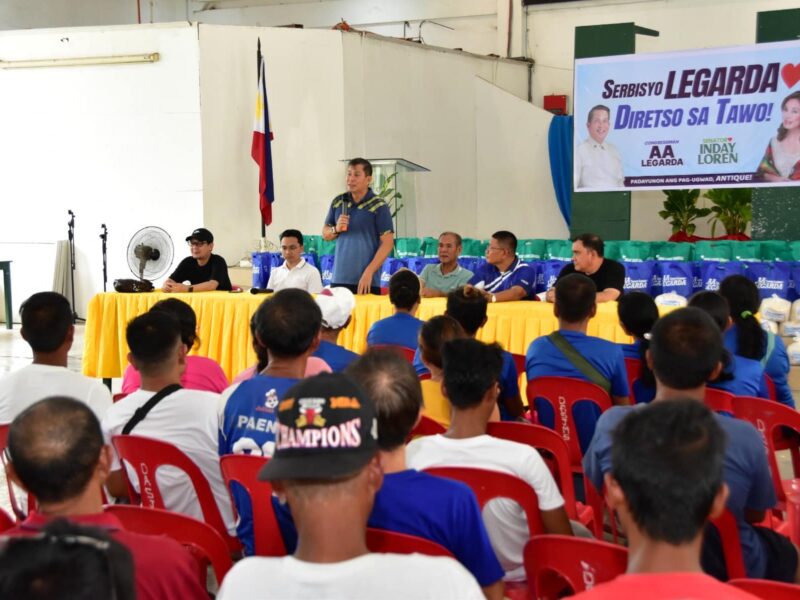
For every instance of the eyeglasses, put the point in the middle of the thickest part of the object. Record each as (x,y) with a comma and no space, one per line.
(492,248)
(196,243)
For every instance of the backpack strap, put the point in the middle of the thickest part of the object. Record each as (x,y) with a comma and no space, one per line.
(142,411)
(579,362)
(770,348)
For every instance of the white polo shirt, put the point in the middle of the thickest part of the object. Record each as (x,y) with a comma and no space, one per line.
(20,389)
(187,419)
(384,576)
(303,276)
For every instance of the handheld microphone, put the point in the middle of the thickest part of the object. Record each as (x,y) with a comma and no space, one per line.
(259,291)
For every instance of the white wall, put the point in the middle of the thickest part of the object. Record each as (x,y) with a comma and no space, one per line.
(118,145)
(30,14)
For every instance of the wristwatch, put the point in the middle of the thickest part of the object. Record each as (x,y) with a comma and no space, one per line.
(191,289)
(333,230)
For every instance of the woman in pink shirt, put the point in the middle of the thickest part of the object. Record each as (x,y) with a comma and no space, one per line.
(201,373)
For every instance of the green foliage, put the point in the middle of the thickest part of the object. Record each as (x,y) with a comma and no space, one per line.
(680,209)
(387,192)
(732,207)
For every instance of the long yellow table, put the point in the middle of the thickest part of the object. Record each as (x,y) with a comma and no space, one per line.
(223,322)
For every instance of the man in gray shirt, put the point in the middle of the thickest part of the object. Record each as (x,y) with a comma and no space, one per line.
(439,279)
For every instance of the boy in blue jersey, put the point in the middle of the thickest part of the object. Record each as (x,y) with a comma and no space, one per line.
(402,328)
(337,306)
(288,325)
(575,305)
(504,277)
(685,351)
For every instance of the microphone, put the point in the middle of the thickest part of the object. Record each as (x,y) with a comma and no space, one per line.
(259,291)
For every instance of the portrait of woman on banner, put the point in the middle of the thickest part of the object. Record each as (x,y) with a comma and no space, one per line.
(781,161)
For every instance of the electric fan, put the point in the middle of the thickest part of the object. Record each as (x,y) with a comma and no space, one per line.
(149,255)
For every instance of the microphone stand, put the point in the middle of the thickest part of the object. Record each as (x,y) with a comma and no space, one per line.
(71,237)
(104,241)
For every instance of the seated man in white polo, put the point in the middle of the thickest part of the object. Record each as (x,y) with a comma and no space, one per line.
(295,272)
(440,279)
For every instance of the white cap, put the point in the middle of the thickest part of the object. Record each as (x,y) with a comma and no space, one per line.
(336,305)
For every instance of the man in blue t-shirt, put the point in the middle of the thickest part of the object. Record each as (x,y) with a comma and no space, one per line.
(409,501)
(575,305)
(361,224)
(504,277)
(685,351)
(288,325)
(402,328)
(337,306)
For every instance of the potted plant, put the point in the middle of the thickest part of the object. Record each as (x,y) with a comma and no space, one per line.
(680,209)
(733,208)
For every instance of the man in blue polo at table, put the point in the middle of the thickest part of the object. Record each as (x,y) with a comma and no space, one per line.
(504,277)
(440,279)
(361,224)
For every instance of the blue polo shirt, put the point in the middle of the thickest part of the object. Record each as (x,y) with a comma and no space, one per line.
(631,350)
(337,357)
(509,380)
(777,365)
(745,470)
(401,329)
(518,273)
(545,359)
(434,508)
(748,378)
(355,248)
(248,427)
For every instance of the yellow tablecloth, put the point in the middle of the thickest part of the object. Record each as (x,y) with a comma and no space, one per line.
(224,326)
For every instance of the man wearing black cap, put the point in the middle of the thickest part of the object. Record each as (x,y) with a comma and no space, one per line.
(326,467)
(204,271)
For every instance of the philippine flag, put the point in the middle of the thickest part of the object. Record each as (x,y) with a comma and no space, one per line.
(261,150)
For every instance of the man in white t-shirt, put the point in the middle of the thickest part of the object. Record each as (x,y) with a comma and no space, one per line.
(187,419)
(48,328)
(295,272)
(471,374)
(326,467)
(597,162)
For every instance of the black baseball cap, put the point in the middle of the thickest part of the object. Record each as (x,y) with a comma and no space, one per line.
(327,429)
(201,235)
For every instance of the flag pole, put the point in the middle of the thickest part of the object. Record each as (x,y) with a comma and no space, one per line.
(258,75)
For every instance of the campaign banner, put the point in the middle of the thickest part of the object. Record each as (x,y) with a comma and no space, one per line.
(719,117)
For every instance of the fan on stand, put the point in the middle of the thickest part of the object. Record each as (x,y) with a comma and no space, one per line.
(150,254)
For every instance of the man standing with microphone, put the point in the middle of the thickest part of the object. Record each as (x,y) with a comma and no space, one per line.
(361,224)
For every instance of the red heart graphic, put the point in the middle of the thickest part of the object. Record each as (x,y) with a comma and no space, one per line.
(730,139)
(790,74)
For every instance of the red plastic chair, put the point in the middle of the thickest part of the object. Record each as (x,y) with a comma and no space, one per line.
(18,513)
(408,353)
(6,522)
(488,485)
(380,540)
(769,590)
(139,452)
(731,545)
(426,426)
(772,420)
(555,562)
(243,469)
(633,366)
(718,400)
(201,539)
(557,458)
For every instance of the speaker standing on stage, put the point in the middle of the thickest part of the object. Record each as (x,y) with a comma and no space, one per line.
(361,224)
(204,271)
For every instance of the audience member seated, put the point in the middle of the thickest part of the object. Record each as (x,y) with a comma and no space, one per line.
(637,314)
(665,483)
(569,352)
(740,376)
(201,373)
(187,419)
(409,501)
(204,271)
(337,306)
(471,372)
(445,276)
(330,489)
(746,338)
(588,257)
(686,351)
(295,272)
(432,337)
(66,560)
(57,454)
(504,277)
(468,306)
(402,328)
(48,329)
(288,326)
